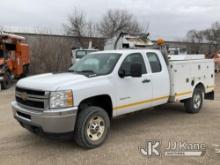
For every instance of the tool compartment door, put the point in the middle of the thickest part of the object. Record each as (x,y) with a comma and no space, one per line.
(181,78)
(185,75)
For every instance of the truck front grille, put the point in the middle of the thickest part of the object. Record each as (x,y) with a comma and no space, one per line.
(31,92)
(30,103)
(32,99)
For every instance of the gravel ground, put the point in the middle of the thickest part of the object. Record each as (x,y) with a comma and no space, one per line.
(128,133)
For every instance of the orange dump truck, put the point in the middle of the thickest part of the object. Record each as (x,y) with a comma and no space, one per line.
(14,58)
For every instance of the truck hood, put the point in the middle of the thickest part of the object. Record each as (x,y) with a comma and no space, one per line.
(51,81)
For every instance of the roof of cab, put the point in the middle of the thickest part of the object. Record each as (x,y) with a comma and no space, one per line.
(127,51)
(11,36)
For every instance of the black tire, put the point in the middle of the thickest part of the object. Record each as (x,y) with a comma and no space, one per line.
(194,104)
(83,123)
(6,83)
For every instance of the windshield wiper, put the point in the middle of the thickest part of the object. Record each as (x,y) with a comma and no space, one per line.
(86,71)
(90,72)
(71,70)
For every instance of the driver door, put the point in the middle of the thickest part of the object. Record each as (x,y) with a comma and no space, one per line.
(133,93)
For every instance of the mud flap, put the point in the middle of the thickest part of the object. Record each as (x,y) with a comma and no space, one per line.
(210,96)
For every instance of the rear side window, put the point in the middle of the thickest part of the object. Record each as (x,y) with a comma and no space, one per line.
(132,59)
(80,53)
(154,62)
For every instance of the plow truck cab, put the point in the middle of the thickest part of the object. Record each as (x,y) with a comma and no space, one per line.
(14,58)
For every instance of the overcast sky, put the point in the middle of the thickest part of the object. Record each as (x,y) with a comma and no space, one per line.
(167,18)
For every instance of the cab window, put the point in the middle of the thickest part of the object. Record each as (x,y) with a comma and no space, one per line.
(154,62)
(80,53)
(132,59)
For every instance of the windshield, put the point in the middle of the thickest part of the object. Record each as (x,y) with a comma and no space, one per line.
(96,64)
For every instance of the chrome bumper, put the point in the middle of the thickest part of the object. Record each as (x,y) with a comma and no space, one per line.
(50,121)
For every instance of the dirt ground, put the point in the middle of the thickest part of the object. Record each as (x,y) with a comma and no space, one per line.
(128,133)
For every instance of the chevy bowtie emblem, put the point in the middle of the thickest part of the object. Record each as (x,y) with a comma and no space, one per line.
(24,96)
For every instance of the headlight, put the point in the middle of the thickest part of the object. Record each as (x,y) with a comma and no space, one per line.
(61,99)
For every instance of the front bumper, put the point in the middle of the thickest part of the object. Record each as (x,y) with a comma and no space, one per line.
(50,121)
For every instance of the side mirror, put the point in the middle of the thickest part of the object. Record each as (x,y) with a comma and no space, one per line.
(121,73)
(136,70)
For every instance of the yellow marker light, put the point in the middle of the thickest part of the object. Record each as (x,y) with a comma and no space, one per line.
(160,41)
(69,98)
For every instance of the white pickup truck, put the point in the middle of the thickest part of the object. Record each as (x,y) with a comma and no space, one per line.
(106,84)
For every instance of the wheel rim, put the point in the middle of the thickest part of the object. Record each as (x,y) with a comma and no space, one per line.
(95,128)
(197,100)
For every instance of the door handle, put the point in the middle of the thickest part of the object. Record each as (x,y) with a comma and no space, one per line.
(146,81)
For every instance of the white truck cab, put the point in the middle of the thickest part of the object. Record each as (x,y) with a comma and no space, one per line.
(107,84)
(77,54)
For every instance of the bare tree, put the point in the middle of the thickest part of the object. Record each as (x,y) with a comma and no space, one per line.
(91,29)
(111,24)
(78,26)
(116,21)
(76,23)
(195,38)
(210,35)
(214,33)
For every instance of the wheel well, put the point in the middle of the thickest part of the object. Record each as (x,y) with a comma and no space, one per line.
(200,86)
(103,101)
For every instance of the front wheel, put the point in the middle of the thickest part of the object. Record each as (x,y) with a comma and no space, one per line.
(92,127)
(194,104)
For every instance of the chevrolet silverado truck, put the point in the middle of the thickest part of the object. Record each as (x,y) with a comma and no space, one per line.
(107,84)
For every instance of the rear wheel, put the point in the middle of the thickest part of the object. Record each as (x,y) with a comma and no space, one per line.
(194,104)
(92,127)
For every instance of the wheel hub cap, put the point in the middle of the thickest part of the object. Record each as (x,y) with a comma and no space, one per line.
(197,101)
(96,128)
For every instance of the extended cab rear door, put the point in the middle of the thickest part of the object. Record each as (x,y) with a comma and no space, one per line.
(133,93)
(159,77)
